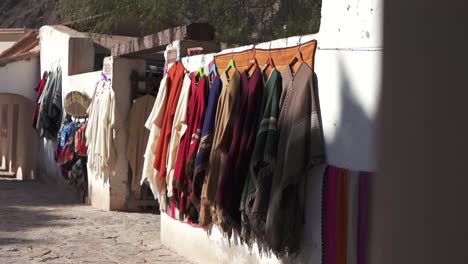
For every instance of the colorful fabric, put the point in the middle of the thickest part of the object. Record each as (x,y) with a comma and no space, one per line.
(154,124)
(39,90)
(174,87)
(68,130)
(199,106)
(184,167)
(223,128)
(256,193)
(80,141)
(345,216)
(179,127)
(228,195)
(203,155)
(65,152)
(49,118)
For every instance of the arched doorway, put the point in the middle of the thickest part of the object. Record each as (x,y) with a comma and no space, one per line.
(18,139)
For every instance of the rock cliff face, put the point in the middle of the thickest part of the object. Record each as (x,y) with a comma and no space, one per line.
(36,13)
(28,13)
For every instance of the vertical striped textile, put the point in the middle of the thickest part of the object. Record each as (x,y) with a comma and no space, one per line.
(345,212)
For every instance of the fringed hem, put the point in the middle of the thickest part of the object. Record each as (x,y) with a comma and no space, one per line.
(254,219)
(252,229)
(229,228)
(205,213)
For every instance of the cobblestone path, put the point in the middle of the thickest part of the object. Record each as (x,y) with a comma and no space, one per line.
(40,224)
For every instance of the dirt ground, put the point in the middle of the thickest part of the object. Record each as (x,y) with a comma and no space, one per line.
(40,223)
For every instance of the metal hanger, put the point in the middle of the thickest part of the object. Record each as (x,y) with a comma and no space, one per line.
(269,62)
(297,58)
(253,62)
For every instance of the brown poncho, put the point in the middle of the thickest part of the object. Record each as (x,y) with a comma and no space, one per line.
(222,132)
(300,147)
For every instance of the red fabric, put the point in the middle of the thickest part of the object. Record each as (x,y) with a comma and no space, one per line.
(228,195)
(39,89)
(171,209)
(174,86)
(199,105)
(66,155)
(80,141)
(184,167)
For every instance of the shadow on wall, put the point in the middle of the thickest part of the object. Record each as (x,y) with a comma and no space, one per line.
(354,136)
(355,131)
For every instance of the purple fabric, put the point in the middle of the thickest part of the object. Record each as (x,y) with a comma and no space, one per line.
(330,215)
(364,178)
(203,155)
(228,195)
(209,122)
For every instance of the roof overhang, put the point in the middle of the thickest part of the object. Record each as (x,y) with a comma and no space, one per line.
(24,49)
(158,41)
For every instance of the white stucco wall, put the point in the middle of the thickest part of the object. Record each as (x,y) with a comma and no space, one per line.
(54,46)
(84,83)
(18,148)
(55,51)
(347,65)
(121,84)
(109,191)
(4,45)
(348,68)
(98,188)
(75,55)
(20,77)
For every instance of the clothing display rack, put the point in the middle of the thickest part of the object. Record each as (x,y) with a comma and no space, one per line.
(281,56)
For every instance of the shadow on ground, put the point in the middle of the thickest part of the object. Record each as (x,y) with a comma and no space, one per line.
(27,205)
(33,193)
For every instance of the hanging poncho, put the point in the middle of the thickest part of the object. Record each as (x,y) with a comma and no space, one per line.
(228,195)
(256,194)
(300,147)
(222,133)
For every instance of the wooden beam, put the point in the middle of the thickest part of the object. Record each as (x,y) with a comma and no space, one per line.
(158,41)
